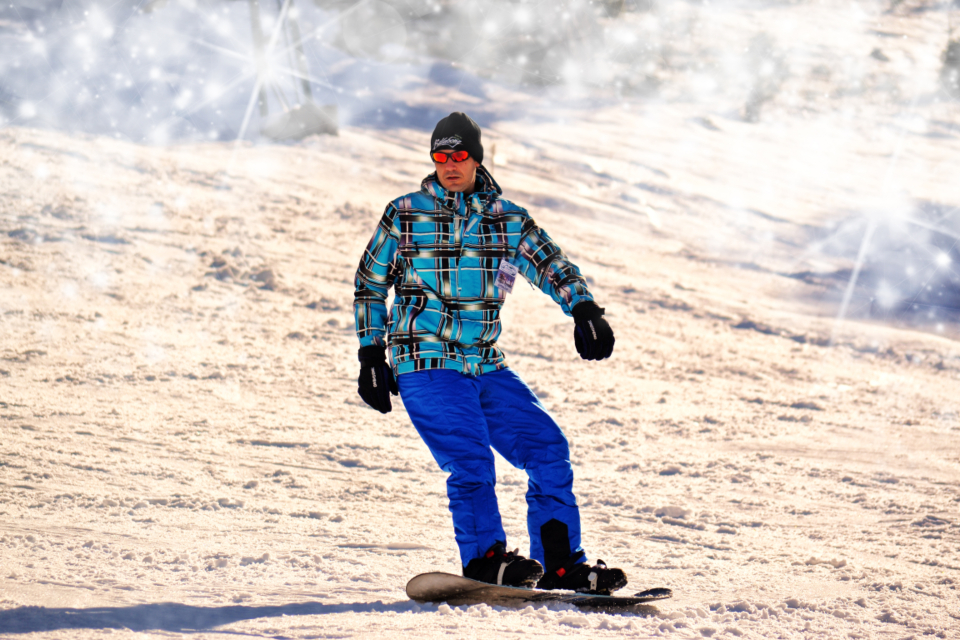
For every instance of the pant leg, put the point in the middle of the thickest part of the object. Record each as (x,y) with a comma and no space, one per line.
(445,409)
(529,438)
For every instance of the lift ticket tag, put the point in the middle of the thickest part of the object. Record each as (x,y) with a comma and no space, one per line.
(506,276)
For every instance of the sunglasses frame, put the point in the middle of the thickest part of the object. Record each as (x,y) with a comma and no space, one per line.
(448,156)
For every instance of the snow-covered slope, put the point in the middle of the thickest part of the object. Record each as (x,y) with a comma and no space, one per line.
(184,452)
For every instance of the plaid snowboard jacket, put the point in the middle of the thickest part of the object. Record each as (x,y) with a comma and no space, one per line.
(441,251)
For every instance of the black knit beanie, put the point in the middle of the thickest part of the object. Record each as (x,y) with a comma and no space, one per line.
(458,131)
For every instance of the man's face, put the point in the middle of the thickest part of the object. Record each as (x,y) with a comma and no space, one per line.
(457,176)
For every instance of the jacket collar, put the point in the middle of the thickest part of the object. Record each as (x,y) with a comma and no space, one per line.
(486,188)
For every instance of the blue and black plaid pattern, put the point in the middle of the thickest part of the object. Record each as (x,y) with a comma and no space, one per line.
(441,252)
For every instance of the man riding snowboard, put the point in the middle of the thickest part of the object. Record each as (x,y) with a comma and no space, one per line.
(452,251)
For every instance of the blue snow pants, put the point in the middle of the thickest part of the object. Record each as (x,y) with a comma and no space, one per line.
(459,417)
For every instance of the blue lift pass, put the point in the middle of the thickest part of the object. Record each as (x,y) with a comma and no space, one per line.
(506,276)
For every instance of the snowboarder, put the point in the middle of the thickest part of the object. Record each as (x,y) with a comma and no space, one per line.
(452,251)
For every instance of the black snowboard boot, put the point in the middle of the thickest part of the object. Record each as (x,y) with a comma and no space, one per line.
(576,575)
(497,566)
(566,570)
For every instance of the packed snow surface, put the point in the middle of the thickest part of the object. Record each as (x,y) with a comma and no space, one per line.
(184,452)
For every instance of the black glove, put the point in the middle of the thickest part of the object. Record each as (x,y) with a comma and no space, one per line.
(593,336)
(376,381)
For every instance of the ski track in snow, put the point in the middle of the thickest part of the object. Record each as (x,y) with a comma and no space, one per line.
(184,452)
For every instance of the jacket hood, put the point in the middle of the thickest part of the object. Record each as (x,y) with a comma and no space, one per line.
(486,187)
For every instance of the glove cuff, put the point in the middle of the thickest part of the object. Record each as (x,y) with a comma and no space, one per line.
(373,354)
(586,310)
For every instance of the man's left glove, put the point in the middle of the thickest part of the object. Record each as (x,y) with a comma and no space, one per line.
(376,381)
(593,337)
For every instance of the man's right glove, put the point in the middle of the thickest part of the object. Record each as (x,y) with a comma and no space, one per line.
(593,337)
(376,381)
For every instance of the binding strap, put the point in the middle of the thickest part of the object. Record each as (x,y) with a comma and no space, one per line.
(508,558)
(571,562)
(601,565)
(503,567)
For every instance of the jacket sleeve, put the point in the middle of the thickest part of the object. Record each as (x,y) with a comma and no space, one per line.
(542,262)
(379,269)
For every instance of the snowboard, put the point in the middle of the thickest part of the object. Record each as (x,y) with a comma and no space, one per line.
(456,590)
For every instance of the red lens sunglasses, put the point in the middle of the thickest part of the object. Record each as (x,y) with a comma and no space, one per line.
(441,156)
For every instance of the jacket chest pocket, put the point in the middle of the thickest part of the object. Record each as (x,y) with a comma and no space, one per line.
(426,254)
(425,237)
(409,251)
